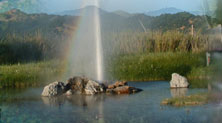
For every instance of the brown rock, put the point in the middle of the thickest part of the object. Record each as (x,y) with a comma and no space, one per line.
(122,90)
(117,84)
(125,90)
(120,83)
(110,91)
(111,86)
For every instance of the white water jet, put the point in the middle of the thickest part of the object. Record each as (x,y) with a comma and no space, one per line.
(86,57)
(99,56)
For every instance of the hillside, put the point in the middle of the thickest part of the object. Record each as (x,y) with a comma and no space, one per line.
(25,37)
(16,21)
(164,11)
(20,22)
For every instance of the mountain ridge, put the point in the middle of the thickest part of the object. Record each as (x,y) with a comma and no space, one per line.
(170,10)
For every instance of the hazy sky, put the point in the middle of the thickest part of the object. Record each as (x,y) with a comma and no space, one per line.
(127,5)
(133,6)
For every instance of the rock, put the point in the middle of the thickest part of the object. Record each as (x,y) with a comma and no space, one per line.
(76,84)
(178,81)
(93,87)
(54,89)
(123,90)
(121,87)
(69,92)
(85,86)
(111,86)
(82,85)
(110,91)
(120,83)
(117,84)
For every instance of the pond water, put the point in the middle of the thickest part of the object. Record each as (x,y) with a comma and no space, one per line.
(144,107)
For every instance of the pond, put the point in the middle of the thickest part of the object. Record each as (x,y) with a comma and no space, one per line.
(144,107)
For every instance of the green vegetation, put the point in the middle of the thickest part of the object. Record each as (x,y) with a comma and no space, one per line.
(197,99)
(128,43)
(155,66)
(156,55)
(30,74)
(131,54)
(200,77)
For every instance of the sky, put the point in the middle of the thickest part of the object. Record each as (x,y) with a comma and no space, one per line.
(132,6)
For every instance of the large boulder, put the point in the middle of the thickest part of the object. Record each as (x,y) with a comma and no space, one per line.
(178,81)
(82,85)
(76,85)
(93,87)
(54,89)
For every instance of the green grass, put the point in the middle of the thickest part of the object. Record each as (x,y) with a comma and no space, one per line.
(201,77)
(197,99)
(30,74)
(154,66)
(146,67)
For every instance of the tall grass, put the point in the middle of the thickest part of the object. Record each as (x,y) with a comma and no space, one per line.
(30,74)
(131,56)
(31,47)
(154,66)
(154,42)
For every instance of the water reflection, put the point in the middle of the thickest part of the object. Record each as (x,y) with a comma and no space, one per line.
(178,92)
(142,107)
(86,101)
(54,101)
(80,100)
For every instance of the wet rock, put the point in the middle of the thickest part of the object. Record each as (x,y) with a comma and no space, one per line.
(126,90)
(178,81)
(68,93)
(120,83)
(117,84)
(111,86)
(110,91)
(82,85)
(76,84)
(54,89)
(121,88)
(93,87)
(85,86)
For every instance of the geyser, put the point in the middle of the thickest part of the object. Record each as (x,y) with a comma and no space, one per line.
(86,57)
(99,56)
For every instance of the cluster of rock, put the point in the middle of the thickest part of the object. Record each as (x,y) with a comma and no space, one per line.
(121,88)
(178,81)
(83,85)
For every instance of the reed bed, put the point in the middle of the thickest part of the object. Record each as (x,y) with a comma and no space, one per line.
(29,74)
